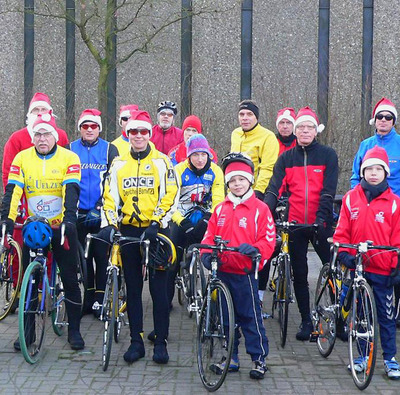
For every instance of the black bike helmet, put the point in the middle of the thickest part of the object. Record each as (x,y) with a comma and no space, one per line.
(162,253)
(238,157)
(167,105)
(37,232)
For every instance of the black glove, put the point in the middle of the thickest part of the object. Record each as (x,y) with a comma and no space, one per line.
(393,279)
(9,226)
(186,225)
(248,249)
(347,259)
(259,195)
(206,260)
(321,225)
(151,232)
(107,233)
(200,228)
(93,218)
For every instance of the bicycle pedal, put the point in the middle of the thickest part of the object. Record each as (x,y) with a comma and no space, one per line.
(314,337)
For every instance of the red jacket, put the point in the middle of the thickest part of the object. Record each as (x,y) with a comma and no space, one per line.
(19,141)
(249,222)
(378,221)
(286,144)
(166,140)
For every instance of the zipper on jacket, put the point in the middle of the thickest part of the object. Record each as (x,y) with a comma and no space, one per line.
(306,185)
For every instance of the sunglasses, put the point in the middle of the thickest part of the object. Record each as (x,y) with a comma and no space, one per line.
(92,126)
(143,132)
(125,119)
(387,117)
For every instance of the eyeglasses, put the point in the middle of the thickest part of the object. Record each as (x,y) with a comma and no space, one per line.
(387,117)
(46,135)
(143,132)
(125,119)
(92,126)
(305,127)
(166,114)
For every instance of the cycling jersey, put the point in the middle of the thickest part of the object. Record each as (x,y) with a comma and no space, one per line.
(122,144)
(43,178)
(204,189)
(144,185)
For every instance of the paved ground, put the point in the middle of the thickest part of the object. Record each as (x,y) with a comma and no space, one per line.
(296,369)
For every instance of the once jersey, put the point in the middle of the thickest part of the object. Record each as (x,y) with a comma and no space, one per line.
(43,179)
(145,187)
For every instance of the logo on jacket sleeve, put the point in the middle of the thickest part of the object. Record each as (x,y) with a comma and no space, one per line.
(354,213)
(15,170)
(243,223)
(74,169)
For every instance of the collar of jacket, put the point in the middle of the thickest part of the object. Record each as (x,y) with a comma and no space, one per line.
(386,137)
(87,144)
(307,148)
(49,155)
(236,200)
(250,130)
(199,172)
(141,154)
(287,140)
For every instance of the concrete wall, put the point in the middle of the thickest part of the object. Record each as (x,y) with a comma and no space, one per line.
(285,62)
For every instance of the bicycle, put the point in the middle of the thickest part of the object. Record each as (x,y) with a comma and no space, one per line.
(282,276)
(362,318)
(10,272)
(216,326)
(38,295)
(114,300)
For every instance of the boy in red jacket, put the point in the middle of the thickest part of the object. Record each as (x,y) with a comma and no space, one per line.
(371,211)
(246,222)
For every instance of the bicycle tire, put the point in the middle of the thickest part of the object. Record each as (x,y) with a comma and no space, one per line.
(32,314)
(284,300)
(275,293)
(192,290)
(325,311)
(181,295)
(215,334)
(10,278)
(58,309)
(121,306)
(201,288)
(110,311)
(363,320)
(82,275)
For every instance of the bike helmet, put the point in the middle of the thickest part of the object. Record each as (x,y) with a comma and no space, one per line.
(37,232)
(167,105)
(238,163)
(162,253)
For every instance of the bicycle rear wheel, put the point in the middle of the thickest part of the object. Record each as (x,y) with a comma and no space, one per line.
(363,336)
(32,312)
(10,278)
(284,298)
(109,313)
(58,310)
(200,289)
(325,311)
(215,333)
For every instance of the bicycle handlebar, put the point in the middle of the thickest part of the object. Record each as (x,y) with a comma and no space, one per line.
(286,225)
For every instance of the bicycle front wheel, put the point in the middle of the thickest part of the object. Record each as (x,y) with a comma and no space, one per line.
(32,312)
(284,298)
(121,306)
(109,314)
(363,336)
(215,333)
(325,312)
(58,310)
(10,278)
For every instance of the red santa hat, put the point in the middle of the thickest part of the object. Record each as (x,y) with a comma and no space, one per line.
(383,105)
(192,122)
(139,120)
(307,114)
(45,122)
(285,113)
(90,115)
(375,156)
(125,111)
(239,169)
(39,99)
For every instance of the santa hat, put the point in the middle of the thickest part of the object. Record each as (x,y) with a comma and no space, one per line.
(90,115)
(383,105)
(126,110)
(307,114)
(39,99)
(46,122)
(239,169)
(198,143)
(192,122)
(139,120)
(285,113)
(375,156)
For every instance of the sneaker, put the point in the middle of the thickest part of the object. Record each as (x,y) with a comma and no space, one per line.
(258,371)
(305,330)
(392,369)
(219,367)
(75,339)
(134,352)
(96,309)
(360,364)
(264,314)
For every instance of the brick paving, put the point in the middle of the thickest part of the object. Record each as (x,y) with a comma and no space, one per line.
(296,369)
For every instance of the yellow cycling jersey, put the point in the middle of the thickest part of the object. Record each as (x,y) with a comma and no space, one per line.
(122,145)
(43,179)
(145,189)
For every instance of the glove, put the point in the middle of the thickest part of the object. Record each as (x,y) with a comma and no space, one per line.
(151,232)
(248,249)
(206,260)
(393,279)
(186,225)
(93,218)
(347,259)
(259,195)
(107,233)
(9,225)
(321,225)
(200,228)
